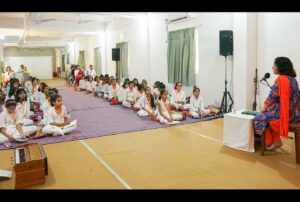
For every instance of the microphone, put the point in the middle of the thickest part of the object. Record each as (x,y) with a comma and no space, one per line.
(267,75)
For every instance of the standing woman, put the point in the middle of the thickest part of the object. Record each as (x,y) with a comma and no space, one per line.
(275,116)
(78,74)
(9,74)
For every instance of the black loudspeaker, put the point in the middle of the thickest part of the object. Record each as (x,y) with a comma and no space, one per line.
(116,54)
(226,42)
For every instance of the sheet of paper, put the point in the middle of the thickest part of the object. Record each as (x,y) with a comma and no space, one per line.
(5,173)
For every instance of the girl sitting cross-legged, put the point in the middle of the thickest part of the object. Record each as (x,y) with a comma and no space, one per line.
(23,107)
(146,104)
(11,124)
(131,95)
(164,110)
(178,99)
(58,118)
(197,109)
(123,92)
(113,92)
(90,85)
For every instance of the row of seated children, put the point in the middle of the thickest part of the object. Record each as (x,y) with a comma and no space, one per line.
(21,114)
(155,102)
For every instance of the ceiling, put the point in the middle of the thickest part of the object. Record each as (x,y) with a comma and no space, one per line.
(54,27)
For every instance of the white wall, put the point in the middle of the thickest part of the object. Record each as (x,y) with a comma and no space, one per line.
(278,35)
(88,44)
(148,50)
(30,52)
(34,64)
(135,32)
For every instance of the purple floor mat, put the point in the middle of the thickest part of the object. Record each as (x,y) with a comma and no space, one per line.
(96,118)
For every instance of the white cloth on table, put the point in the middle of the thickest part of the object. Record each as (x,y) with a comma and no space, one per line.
(239,131)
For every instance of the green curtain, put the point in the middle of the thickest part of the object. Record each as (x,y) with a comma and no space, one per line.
(181,56)
(68,58)
(122,65)
(97,60)
(81,60)
(63,62)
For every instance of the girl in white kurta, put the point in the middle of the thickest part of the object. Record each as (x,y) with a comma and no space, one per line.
(28,83)
(33,90)
(197,109)
(45,108)
(135,83)
(178,98)
(82,84)
(119,82)
(23,107)
(164,110)
(41,97)
(113,91)
(58,118)
(123,92)
(90,85)
(130,96)
(10,124)
(106,89)
(146,104)
(97,85)
(155,90)
(140,93)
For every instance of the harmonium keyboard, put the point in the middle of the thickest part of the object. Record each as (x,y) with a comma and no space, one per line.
(30,166)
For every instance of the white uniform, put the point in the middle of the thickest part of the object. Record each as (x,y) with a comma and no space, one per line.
(33,93)
(82,85)
(138,97)
(113,92)
(7,122)
(27,85)
(45,108)
(197,105)
(178,97)
(143,102)
(41,98)
(131,96)
(122,94)
(98,87)
(105,90)
(90,86)
(91,73)
(176,117)
(24,110)
(155,91)
(58,118)
(9,75)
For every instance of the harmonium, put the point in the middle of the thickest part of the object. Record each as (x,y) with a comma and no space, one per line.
(31,165)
